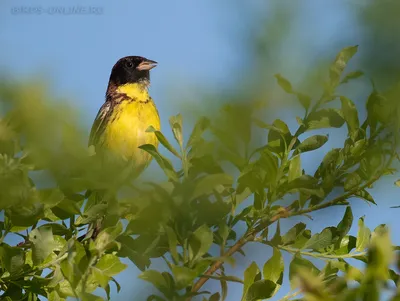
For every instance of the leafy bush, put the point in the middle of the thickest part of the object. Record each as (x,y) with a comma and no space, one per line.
(222,185)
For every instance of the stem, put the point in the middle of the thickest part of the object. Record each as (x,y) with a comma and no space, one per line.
(291,295)
(250,236)
(319,255)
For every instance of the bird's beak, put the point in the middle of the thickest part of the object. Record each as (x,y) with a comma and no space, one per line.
(146,65)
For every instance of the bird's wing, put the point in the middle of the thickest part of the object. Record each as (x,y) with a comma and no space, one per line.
(99,123)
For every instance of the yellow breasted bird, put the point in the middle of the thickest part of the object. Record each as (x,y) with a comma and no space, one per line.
(121,123)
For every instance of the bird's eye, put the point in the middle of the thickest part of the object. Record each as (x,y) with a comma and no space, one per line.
(129,64)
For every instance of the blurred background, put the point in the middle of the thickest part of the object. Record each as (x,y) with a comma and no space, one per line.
(209,53)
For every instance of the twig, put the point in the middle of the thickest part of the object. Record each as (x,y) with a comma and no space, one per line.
(320,255)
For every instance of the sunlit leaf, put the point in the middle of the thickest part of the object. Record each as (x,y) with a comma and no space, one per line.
(163,140)
(273,267)
(363,235)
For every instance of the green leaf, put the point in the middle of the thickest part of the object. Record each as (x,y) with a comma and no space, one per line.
(176,126)
(129,249)
(106,237)
(58,229)
(297,263)
(164,141)
(172,242)
(202,124)
(284,83)
(345,224)
(12,258)
(200,242)
(305,100)
(249,276)
(279,136)
(110,265)
(183,276)
(268,162)
(89,297)
(358,146)
(340,63)
(43,244)
(294,168)
(306,184)
(94,213)
(273,267)
(352,75)
(207,184)
(352,181)
(320,240)
(155,278)
(214,297)
(163,162)
(293,233)
(363,235)
(350,115)
(261,289)
(324,118)
(312,143)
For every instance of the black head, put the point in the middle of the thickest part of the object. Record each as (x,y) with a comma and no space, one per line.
(132,69)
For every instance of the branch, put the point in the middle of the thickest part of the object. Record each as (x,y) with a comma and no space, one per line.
(282,214)
(320,255)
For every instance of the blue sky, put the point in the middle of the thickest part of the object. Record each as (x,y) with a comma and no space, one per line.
(198,44)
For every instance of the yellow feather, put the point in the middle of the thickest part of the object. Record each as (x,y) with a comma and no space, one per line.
(135,91)
(127,127)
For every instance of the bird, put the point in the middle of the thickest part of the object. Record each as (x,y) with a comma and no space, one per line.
(120,125)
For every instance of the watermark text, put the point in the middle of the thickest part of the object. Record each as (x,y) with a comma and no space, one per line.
(57,10)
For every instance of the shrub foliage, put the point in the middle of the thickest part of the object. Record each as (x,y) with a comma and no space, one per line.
(223,193)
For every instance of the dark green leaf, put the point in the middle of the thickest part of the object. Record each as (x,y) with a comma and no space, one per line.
(261,289)
(312,143)
(352,181)
(129,249)
(12,258)
(200,242)
(352,75)
(214,297)
(325,118)
(320,240)
(350,114)
(172,242)
(345,224)
(207,184)
(279,136)
(291,236)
